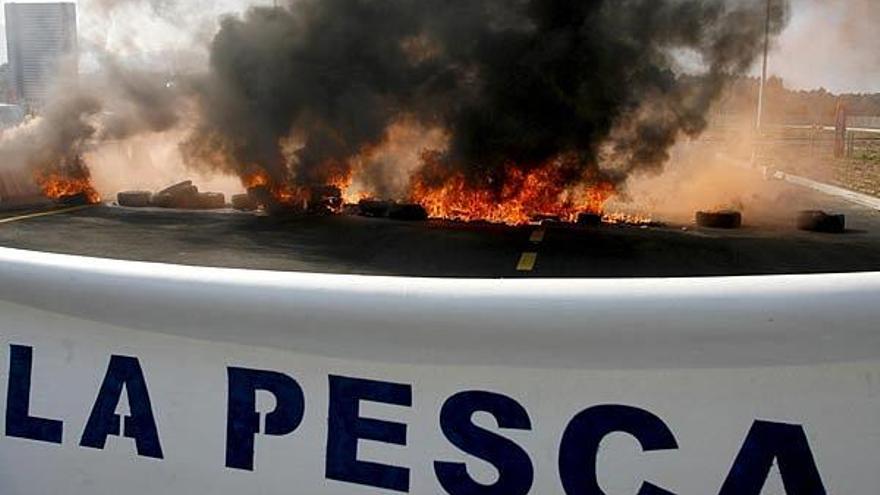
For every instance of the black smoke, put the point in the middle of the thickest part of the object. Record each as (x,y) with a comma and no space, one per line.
(297,88)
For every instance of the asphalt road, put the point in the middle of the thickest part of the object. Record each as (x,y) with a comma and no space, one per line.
(347,244)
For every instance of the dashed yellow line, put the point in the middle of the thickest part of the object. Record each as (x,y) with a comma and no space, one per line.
(537,237)
(527,262)
(43,214)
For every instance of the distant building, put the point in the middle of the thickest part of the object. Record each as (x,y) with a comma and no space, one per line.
(10,116)
(41,44)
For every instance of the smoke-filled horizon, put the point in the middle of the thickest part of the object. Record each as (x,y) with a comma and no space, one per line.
(524,102)
(588,88)
(156,31)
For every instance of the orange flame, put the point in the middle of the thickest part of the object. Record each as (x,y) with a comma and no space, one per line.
(58,187)
(299,196)
(337,174)
(255,179)
(622,218)
(283,193)
(525,195)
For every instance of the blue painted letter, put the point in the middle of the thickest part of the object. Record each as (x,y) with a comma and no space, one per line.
(243,420)
(580,444)
(123,371)
(515,471)
(788,446)
(345,427)
(19,422)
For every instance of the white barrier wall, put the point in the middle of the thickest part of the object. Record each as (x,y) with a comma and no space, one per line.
(136,378)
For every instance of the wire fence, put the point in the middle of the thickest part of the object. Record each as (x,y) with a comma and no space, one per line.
(816,152)
(821,143)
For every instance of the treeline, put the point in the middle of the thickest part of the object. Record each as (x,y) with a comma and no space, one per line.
(785,106)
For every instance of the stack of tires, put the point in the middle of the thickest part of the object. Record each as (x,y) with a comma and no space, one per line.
(183,195)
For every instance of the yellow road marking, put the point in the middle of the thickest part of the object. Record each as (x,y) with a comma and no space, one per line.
(43,214)
(527,262)
(537,237)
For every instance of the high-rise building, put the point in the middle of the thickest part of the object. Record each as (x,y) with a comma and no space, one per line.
(41,45)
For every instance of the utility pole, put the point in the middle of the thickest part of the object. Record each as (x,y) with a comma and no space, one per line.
(759,121)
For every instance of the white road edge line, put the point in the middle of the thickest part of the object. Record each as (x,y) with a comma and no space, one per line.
(851,196)
(50,213)
(854,197)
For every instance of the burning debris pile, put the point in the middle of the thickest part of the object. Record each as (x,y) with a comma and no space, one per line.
(49,149)
(544,107)
(389,209)
(67,182)
(525,195)
(547,105)
(275,197)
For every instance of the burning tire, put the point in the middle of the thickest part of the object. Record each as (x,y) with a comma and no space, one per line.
(546,219)
(77,199)
(408,213)
(263,197)
(374,209)
(819,221)
(325,200)
(589,220)
(135,199)
(720,219)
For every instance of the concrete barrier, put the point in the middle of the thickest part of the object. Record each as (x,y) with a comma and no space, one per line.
(138,378)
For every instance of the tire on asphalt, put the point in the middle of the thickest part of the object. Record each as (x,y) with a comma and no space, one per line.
(243,202)
(374,208)
(135,199)
(819,221)
(161,201)
(76,199)
(589,220)
(719,219)
(179,188)
(408,213)
(186,198)
(212,201)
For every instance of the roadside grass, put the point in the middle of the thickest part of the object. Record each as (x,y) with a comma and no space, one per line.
(871,156)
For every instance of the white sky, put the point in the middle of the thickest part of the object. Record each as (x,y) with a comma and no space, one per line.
(833,44)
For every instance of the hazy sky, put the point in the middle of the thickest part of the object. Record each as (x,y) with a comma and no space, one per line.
(829,43)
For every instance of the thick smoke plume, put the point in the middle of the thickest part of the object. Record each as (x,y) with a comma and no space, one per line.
(115,104)
(528,103)
(112,90)
(588,88)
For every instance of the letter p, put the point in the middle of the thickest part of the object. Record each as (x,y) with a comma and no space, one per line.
(243,420)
